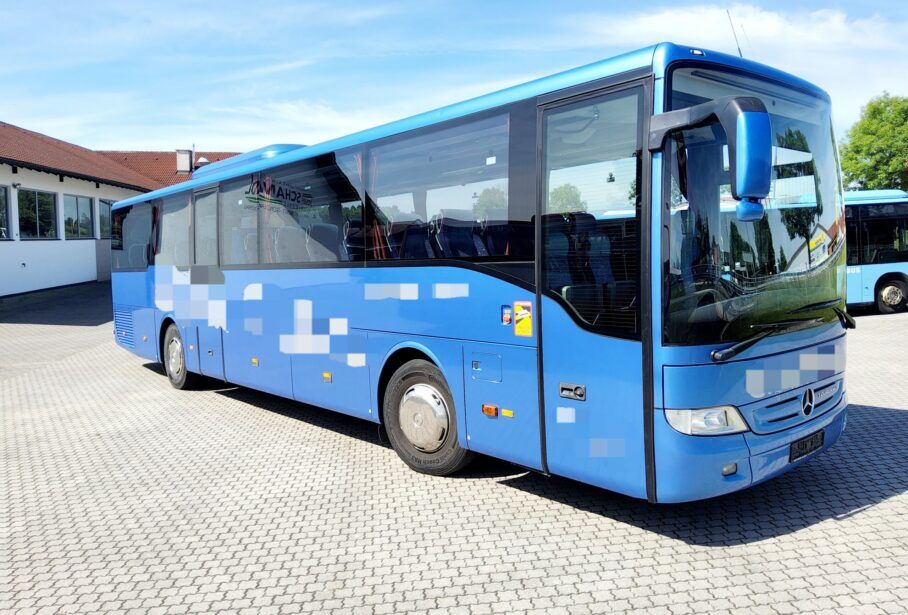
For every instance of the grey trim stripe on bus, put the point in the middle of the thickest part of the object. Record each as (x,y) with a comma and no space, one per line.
(646,304)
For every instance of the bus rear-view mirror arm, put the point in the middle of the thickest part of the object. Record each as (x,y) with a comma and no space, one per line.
(749,133)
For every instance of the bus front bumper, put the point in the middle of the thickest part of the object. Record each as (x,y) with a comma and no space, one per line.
(690,468)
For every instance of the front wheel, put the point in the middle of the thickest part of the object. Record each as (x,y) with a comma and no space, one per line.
(421,422)
(174,358)
(892,296)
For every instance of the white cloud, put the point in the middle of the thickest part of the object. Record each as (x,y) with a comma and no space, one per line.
(851,58)
(229,80)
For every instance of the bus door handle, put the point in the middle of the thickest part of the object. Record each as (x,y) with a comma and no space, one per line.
(576,392)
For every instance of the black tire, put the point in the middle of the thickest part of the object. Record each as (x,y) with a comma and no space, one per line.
(178,375)
(449,457)
(892,296)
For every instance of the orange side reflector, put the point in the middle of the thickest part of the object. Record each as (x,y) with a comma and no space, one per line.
(490,410)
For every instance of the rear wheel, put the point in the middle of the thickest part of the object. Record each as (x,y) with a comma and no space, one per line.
(174,359)
(892,296)
(420,420)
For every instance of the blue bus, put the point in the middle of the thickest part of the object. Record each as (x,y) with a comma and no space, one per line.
(631,274)
(877,233)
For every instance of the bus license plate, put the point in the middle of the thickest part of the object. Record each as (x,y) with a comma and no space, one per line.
(805,446)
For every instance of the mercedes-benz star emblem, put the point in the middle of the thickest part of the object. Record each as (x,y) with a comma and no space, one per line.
(807,402)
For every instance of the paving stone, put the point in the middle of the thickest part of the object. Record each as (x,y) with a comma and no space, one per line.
(120,493)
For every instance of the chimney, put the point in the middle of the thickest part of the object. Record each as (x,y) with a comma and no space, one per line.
(184,161)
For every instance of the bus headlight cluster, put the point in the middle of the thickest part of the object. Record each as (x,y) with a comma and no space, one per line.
(719,421)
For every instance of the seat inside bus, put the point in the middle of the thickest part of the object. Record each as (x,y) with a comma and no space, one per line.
(585,264)
(458,234)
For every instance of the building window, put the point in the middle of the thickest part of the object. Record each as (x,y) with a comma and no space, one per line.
(5,231)
(78,218)
(37,214)
(104,217)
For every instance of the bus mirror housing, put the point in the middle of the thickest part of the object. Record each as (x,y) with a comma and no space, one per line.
(749,134)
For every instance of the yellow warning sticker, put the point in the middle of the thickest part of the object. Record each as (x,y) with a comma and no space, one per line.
(507,413)
(523,318)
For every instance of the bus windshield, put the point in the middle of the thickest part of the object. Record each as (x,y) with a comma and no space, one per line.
(728,279)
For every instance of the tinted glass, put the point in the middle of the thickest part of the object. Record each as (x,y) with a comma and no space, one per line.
(591,224)
(206,228)
(47,215)
(28,214)
(5,231)
(37,215)
(728,277)
(77,217)
(104,217)
(884,240)
(130,237)
(886,210)
(173,239)
(238,226)
(311,211)
(445,194)
(852,239)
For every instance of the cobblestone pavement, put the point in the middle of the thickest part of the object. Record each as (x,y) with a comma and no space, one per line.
(122,494)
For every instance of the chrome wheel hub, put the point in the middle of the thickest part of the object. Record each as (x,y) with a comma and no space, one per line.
(424,417)
(892,295)
(175,357)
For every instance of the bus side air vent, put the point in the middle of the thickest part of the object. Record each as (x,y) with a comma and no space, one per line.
(123,328)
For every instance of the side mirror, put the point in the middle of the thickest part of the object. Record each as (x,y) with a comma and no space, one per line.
(749,133)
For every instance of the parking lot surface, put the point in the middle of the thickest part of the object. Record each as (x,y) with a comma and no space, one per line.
(120,493)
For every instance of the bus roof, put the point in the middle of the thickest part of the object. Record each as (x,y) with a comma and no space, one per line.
(654,57)
(874,197)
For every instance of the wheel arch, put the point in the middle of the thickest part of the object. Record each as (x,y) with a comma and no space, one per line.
(394,359)
(888,277)
(162,332)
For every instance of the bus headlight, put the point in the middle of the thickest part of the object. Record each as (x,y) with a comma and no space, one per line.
(719,421)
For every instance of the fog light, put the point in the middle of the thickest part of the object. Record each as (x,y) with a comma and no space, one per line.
(729,468)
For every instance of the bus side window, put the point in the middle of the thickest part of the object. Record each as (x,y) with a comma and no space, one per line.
(311,211)
(238,229)
(851,235)
(173,247)
(130,237)
(591,220)
(443,194)
(205,225)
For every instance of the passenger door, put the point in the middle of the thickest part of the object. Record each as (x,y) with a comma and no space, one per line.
(590,254)
(205,271)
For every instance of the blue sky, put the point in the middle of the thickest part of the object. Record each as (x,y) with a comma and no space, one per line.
(239,75)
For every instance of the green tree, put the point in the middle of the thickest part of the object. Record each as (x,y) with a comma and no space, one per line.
(875,154)
(490,198)
(565,199)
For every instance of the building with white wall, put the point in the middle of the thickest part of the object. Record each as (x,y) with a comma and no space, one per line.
(55,200)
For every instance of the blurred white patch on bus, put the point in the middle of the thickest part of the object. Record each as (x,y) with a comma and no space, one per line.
(404,292)
(450,291)
(606,447)
(566,415)
(252,292)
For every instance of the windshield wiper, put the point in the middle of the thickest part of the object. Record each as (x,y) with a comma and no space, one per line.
(844,318)
(819,305)
(764,331)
